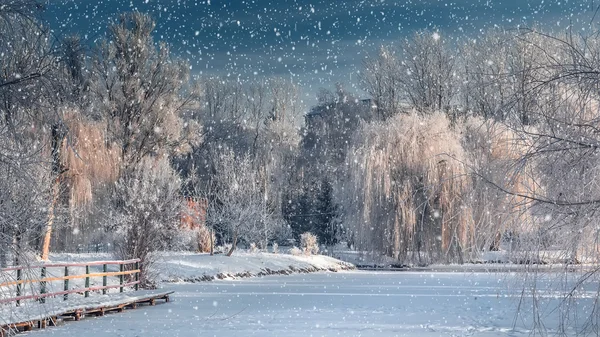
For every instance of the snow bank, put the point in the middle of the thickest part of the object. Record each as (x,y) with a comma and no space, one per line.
(186,267)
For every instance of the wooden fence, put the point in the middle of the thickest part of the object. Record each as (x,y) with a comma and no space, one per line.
(14,279)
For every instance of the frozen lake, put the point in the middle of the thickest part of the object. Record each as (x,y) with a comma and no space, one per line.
(325,304)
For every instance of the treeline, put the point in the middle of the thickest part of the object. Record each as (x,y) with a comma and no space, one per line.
(481,145)
(461,147)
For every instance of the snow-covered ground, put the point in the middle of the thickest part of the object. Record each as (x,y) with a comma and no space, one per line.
(200,267)
(193,267)
(351,303)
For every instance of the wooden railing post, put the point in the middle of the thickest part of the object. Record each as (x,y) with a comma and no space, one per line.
(19,278)
(137,276)
(66,285)
(121,278)
(43,286)
(87,281)
(104,279)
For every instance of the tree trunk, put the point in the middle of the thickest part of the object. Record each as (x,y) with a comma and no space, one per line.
(17,250)
(212,242)
(48,233)
(4,247)
(233,245)
(58,137)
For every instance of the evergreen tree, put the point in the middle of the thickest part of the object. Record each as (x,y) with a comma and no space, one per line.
(299,213)
(326,211)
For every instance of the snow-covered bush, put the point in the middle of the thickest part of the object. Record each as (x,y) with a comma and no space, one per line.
(203,239)
(253,248)
(185,239)
(296,251)
(275,248)
(196,239)
(309,243)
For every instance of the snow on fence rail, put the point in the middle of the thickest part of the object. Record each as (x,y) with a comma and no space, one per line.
(14,279)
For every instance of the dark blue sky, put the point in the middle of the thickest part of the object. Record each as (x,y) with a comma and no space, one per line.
(316,43)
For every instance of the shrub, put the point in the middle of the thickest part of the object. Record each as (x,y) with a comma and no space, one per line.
(309,243)
(203,239)
(295,251)
(183,240)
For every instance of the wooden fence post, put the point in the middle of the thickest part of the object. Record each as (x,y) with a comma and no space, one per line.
(87,281)
(104,279)
(137,276)
(66,284)
(126,267)
(43,286)
(19,278)
(121,278)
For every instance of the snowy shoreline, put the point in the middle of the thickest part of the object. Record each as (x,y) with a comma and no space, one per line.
(187,267)
(191,268)
(483,268)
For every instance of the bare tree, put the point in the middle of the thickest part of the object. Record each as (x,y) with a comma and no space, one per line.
(381,78)
(141,90)
(485,86)
(263,127)
(428,72)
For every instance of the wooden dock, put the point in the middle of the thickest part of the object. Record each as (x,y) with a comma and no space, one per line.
(26,319)
(41,295)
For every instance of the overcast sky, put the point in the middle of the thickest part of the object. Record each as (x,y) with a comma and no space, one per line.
(316,43)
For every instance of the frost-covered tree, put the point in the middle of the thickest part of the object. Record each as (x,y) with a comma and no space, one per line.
(140,90)
(30,94)
(405,188)
(262,127)
(146,210)
(491,150)
(238,204)
(24,192)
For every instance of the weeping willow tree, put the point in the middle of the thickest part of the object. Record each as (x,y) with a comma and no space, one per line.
(407,182)
(493,151)
(90,164)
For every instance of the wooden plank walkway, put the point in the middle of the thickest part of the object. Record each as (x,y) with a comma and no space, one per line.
(26,318)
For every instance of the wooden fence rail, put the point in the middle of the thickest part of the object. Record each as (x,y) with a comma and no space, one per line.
(126,268)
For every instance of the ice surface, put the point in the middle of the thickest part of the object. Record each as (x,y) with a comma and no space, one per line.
(326,304)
